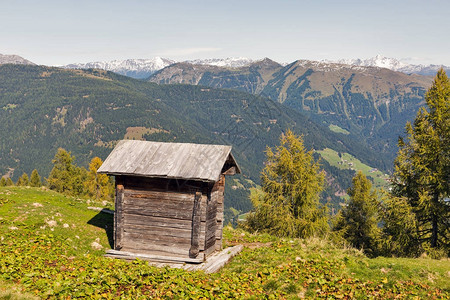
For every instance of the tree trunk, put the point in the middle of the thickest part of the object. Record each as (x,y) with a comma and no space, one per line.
(434,222)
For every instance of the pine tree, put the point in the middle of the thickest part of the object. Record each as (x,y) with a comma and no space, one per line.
(291,184)
(3,181)
(35,180)
(25,181)
(99,186)
(422,166)
(19,181)
(358,221)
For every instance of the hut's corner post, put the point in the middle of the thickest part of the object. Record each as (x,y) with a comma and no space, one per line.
(196,222)
(118,215)
(220,212)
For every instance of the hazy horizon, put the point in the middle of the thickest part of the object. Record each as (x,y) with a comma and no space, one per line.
(57,33)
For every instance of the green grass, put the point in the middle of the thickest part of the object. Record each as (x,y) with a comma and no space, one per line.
(10,291)
(338,129)
(48,212)
(59,261)
(348,161)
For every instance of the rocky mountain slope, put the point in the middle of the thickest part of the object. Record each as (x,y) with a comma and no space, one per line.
(14,59)
(370,101)
(251,78)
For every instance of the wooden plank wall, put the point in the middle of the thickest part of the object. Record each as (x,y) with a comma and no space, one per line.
(157,216)
(215,213)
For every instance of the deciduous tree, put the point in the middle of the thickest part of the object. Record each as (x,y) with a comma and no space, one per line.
(399,236)
(97,185)
(9,182)
(66,177)
(291,184)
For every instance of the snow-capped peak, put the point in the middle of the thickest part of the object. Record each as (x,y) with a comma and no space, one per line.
(377,61)
(230,62)
(138,68)
(392,64)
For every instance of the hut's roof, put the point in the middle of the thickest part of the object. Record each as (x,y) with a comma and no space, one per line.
(169,160)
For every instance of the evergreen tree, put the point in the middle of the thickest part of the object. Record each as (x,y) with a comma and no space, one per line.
(99,186)
(358,221)
(422,166)
(9,182)
(3,181)
(399,227)
(24,180)
(291,184)
(35,180)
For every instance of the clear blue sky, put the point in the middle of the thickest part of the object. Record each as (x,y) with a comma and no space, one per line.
(61,32)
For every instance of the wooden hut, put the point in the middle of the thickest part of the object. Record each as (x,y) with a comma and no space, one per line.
(169,198)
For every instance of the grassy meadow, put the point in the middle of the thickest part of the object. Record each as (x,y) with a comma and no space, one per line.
(348,161)
(52,246)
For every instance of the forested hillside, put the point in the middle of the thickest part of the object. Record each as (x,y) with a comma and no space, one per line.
(87,112)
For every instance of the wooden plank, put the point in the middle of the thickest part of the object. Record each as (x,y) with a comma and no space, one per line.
(179,214)
(219,232)
(196,220)
(216,262)
(162,195)
(219,245)
(209,251)
(212,263)
(210,241)
(171,241)
(118,216)
(145,247)
(152,257)
(230,171)
(157,221)
(169,205)
(155,231)
(168,240)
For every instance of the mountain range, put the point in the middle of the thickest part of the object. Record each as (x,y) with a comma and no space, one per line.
(136,68)
(394,65)
(372,102)
(365,97)
(142,68)
(88,111)
(366,106)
